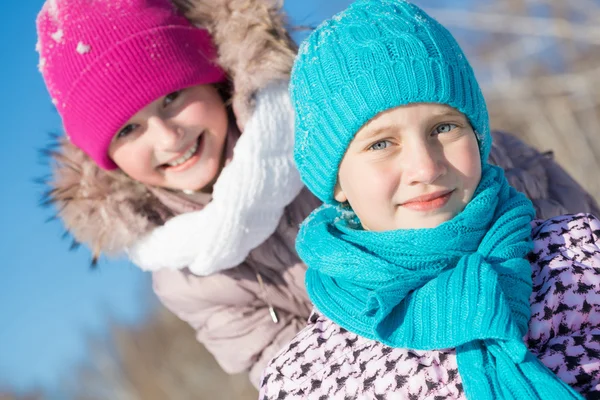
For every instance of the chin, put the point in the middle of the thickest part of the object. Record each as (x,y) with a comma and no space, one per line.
(420,223)
(198,180)
(194,187)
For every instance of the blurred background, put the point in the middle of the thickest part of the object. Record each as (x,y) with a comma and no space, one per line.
(70,332)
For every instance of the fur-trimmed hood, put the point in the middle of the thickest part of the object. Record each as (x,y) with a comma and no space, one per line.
(108,211)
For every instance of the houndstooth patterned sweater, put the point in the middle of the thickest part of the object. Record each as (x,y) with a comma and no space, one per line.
(326,362)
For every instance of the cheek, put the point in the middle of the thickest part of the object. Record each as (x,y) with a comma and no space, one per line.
(466,161)
(367,184)
(195,114)
(384,179)
(210,118)
(134,159)
(208,113)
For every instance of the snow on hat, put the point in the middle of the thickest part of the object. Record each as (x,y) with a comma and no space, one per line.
(104,60)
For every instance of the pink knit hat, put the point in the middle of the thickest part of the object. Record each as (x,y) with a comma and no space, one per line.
(104,60)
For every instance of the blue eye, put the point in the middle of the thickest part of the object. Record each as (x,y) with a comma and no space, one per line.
(381,145)
(445,128)
(126,130)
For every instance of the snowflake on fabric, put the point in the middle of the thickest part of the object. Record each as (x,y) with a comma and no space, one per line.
(83,48)
(57,36)
(52,6)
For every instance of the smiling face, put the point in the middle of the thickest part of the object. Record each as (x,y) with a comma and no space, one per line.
(177,141)
(410,167)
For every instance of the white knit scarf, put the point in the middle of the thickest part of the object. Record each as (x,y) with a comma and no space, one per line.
(248,201)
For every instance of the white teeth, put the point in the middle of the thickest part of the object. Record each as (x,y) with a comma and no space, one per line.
(188,154)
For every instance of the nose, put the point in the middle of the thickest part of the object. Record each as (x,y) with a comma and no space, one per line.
(423,163)
(165,134)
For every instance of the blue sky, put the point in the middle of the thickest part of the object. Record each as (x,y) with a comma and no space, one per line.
(49,297)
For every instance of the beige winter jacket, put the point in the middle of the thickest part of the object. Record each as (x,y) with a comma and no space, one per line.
(234,312)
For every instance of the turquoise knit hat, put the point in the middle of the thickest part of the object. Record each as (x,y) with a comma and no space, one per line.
(375,55)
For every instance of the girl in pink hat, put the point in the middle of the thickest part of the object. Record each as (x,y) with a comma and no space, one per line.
(179,151)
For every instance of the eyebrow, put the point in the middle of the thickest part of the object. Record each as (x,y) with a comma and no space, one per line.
(449,113)
(369,134)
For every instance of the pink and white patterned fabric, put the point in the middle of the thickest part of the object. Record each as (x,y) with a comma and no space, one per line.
(326,362)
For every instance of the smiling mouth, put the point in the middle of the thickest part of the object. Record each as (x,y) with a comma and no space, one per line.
(188,154)
(188,158)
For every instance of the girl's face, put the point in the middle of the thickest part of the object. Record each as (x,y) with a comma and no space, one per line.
(176,141)
(410,167)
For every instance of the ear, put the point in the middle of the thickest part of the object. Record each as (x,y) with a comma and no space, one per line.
(339,194)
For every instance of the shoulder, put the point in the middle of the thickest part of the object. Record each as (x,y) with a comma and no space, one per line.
(326,361)
(572,232)
(565,302)
(320,343)
(565,265)
(564,248)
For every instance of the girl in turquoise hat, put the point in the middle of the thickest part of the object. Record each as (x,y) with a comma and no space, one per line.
(430,277)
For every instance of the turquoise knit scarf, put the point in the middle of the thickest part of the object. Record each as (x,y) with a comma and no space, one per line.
(465,284)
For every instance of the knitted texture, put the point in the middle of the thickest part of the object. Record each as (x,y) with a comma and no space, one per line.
(465,284)
(248,198)
(376,55)
(103,61)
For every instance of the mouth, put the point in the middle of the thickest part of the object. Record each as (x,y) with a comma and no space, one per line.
(429,202)
(187,159)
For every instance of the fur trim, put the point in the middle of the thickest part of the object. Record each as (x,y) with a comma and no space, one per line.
(253,43)
(108,211)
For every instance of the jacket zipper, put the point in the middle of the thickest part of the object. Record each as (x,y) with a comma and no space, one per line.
(265,296)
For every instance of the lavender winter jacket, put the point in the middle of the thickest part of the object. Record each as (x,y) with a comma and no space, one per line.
(231,311)
(325,361)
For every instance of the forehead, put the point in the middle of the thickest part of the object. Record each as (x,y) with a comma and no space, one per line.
(406,115)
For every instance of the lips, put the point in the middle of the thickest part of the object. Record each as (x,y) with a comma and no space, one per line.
(190,159)
(428,202)
(186,156)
